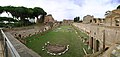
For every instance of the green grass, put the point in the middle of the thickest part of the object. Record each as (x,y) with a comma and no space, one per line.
(62,36)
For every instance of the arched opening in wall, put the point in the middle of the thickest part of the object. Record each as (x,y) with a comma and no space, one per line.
(90,21)
(106,48)
(117,21)
(99,20)
(95,20)
(97,45)
(91,42)
(45,29)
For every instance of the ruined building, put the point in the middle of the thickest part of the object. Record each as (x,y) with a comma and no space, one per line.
(49,19)
(113,18)
(90,19)
(87,19)
(67,22)
(103,39)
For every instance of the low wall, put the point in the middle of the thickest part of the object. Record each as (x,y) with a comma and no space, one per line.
(21,33)
(21,48)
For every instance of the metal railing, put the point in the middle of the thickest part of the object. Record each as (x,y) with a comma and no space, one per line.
(8,48)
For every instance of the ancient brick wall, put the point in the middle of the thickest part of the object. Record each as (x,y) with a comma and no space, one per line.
(111,35)
(22,34)
(88,19)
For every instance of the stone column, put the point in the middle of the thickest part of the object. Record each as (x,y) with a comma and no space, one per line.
(97,21)
(0,35)
(102,20)
(94,46)
(91,42)
(103,40)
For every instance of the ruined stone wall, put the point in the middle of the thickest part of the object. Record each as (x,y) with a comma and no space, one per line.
(49,18)
(22,34)
(87,19)
(111,35)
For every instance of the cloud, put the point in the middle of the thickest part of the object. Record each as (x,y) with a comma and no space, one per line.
(97,7)
(78,2)
(67,9)
(115,1)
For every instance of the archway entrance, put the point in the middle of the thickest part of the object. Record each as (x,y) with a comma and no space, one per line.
(97,45)
(117,22)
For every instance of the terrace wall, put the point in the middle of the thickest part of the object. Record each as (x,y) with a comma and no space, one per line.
(106,36)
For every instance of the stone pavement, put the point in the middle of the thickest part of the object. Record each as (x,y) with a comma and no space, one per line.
(21,48)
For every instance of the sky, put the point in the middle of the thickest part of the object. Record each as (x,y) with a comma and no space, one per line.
(67,9)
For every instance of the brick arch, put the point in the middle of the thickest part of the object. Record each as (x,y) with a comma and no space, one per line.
(117,21)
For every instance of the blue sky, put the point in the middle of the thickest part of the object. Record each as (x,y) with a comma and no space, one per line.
(67,9)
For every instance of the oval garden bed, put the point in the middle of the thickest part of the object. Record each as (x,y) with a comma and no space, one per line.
(55,49)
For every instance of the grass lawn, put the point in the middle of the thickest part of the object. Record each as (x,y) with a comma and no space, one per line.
(64,35)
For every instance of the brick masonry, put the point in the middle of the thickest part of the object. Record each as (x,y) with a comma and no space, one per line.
(98,33)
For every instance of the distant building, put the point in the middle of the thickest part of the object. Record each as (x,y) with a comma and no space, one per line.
(88,19)
(98,20)
(67,21)
(49,19)
(113,18)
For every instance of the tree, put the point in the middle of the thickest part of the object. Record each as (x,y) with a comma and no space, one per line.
(24,13)
(118,7)
(8,19)
(30,13)
(39,11)
(76,19)
(1,9)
